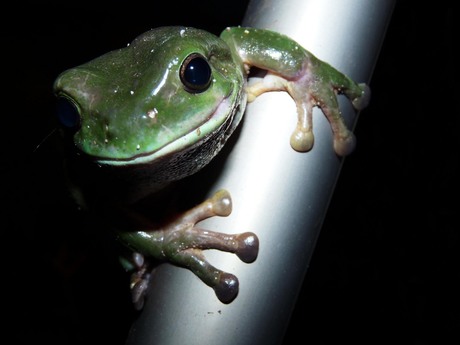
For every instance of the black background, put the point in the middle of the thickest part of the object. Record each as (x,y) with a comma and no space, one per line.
(386,264)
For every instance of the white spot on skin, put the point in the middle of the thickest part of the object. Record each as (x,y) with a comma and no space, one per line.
(153,114)
(276,55)
(173,62)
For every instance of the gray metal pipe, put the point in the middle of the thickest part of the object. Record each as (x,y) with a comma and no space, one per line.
(279,194)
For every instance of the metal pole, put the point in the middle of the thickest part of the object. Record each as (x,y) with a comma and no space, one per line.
(279,194)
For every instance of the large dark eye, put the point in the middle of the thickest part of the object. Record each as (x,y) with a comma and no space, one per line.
(195,73)
(67,114)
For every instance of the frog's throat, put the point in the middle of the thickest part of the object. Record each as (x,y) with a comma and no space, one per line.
(228,113)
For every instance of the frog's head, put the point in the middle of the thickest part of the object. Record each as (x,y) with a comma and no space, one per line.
(170,90)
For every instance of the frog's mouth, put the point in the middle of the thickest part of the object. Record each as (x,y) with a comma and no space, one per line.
(227,113)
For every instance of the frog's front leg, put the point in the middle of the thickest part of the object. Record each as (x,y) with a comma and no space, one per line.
(309,81)
(181,243)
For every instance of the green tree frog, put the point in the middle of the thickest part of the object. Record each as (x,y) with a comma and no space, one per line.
(143,117)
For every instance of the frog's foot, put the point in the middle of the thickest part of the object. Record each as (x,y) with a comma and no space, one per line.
(182,243)
(308,92)
(323,94)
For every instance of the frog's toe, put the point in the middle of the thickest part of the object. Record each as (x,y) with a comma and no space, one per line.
(345,145)
(140,281)
(363,100)
(227,288)
(248,247)
(221,203)
(302,139)
(138,293)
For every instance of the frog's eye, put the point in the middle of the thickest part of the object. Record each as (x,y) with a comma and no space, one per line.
(68,114)
(195,73)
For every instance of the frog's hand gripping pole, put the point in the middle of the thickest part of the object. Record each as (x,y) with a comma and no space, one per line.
(278,193)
